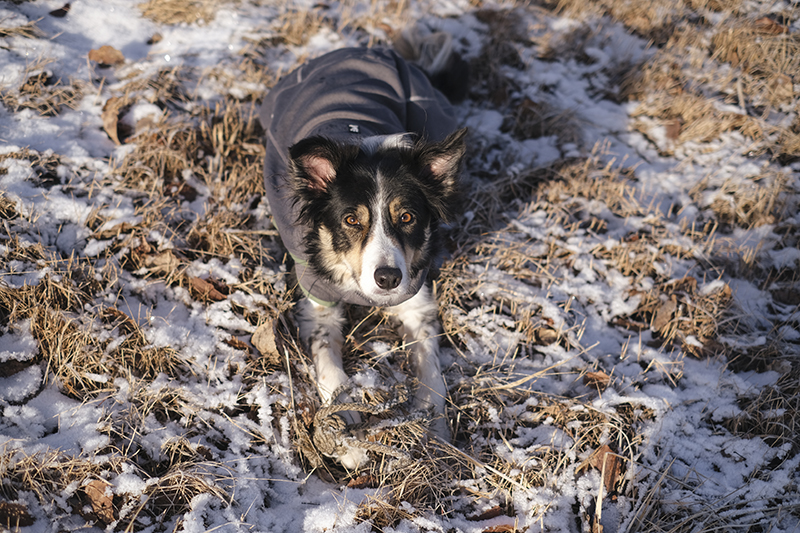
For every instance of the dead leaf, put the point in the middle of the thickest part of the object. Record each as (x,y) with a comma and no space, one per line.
(599,380)
(305,414)
(488,514)
(673,128)
(364,481)
(769,26)
(112,315)
(61,12)
(264,339)
(220,285)
(116,231)
(545,336)
(629,323)
(235,343)
(106,56)
(504,528)
(606,461)
(15,515)
(162,264)
(664,314)
(205,290)
(110,116)
(686,284)
(101,500)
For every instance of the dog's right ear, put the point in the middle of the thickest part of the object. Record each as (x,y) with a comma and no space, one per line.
(314,162)
(439,167)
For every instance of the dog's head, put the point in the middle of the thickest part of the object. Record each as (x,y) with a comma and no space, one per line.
(374,209)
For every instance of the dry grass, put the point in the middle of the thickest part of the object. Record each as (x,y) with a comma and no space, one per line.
(296,26)
(773,415)
(409,487)
(219,149)
(657,511)
(82,364)
(763,199)
(683,89)
(179,11)
(28,30)
(532,120)
(8,209)
(767,55)
(487,79)
(157,165)
(669,90)
(42,92)
(656,21)
(47,473)
(678,312)
(52,474)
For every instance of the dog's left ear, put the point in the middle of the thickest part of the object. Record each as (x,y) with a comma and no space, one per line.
(440,167)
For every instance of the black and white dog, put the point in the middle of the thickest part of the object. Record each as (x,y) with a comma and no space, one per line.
(362,164)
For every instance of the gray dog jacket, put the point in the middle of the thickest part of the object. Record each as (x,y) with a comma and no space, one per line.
(348,95)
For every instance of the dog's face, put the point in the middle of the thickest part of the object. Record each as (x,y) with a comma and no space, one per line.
(373,210)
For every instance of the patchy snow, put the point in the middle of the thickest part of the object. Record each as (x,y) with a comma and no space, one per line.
(683,406)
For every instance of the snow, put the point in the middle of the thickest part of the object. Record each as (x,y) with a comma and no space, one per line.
(690,399)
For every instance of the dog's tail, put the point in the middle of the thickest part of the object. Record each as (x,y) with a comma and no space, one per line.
(433,52)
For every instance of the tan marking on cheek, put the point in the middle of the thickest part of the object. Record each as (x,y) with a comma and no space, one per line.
(343,265)
(353,255)
(354,259)
(330,258)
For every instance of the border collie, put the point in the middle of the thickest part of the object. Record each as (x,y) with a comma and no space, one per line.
(362,165)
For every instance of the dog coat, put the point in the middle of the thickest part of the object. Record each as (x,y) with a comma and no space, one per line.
(349,94)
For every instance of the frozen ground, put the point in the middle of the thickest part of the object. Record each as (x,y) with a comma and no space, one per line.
(617,288)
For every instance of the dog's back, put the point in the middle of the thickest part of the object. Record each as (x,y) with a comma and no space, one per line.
(352,94)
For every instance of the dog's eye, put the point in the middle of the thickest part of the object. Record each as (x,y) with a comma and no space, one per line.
(351,220)
(406,218)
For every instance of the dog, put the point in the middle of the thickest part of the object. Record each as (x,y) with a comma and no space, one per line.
(362,166)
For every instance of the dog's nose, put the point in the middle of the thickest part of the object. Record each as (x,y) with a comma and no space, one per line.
(388,278)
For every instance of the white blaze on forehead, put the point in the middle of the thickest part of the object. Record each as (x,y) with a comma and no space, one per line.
(371,145)
(381,251)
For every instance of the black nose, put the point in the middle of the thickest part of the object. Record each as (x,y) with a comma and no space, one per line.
(388,278)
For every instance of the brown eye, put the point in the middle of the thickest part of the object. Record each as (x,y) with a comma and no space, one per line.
(351,220)
(406,218)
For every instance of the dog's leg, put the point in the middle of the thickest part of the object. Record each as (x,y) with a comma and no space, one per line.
(419,325)
(321,330)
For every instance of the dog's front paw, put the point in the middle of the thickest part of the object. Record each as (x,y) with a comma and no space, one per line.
(331,439)
(353,458)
